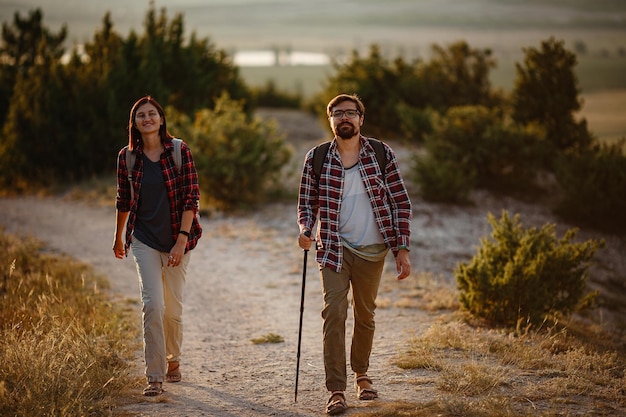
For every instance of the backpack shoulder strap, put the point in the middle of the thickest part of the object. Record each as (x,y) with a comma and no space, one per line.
(319,155)
(130,164)
(178,157)
(381,156)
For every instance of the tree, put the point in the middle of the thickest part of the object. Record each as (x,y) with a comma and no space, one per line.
(33,136)
(458,76)
(546,92)
(24,43)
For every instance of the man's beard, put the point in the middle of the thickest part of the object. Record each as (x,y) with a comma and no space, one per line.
(345,131)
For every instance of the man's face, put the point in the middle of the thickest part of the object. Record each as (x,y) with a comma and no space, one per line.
(345,120)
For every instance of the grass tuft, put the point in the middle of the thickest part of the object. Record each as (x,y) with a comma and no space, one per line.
(268,338)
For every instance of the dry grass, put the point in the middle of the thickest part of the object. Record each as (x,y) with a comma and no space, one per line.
(566,369)
(65,347)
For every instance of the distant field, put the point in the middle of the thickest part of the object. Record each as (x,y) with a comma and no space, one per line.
(605,112)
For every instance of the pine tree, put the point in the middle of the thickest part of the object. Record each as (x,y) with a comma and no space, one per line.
(547,93)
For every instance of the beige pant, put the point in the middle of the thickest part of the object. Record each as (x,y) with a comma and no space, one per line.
(162,298)
(364,278)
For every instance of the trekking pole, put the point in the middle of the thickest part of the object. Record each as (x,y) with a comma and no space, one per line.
(306,251)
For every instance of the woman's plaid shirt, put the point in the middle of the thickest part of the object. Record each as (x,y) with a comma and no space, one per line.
(182,190)
(389,198)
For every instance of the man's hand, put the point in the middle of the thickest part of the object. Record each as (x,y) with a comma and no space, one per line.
(403,264)
(305,239)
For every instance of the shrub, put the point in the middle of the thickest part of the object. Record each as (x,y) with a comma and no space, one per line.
(443,181)
(593,185)
(525,274)
(473,146)
(238,158)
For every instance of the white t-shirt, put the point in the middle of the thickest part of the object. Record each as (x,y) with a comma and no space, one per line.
(357,224)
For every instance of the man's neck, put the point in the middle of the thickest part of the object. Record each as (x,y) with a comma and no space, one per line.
(349,145)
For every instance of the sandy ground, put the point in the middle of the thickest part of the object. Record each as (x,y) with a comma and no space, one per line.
(245,281)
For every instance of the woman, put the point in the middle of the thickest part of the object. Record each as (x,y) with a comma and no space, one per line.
(159,213)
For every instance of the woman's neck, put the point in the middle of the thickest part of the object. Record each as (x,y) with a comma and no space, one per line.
(151,142)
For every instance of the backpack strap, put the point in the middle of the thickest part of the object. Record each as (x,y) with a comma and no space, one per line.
(178,157)
(320,151)
(381,156)
(130,164)
(131,157)
(319,155)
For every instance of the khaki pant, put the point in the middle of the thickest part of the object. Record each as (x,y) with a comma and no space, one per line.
(364,278)
(162,298)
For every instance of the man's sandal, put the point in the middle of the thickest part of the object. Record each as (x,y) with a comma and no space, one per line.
(365,394)
(173,372)
(153,389)
(336,403)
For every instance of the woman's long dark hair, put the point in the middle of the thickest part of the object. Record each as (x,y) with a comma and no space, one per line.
(134,137)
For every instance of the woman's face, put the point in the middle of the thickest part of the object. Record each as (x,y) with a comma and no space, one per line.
(147,119)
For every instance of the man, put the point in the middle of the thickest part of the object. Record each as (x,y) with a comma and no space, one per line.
(363,209)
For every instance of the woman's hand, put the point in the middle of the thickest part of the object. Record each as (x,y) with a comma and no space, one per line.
(118,248)
(177,252)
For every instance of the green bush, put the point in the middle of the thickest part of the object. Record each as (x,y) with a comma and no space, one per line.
(593,184)
(547,92)
(474,146)
(525,274)
(416,123)
(443,181)
(238,158)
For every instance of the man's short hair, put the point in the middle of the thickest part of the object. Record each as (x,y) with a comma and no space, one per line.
(345,97)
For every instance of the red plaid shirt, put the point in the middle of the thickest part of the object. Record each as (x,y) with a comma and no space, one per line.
(388,195)
(182,190)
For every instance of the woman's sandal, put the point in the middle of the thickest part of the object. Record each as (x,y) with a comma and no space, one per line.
(336,403)
(173,372)
(365,394)
(153,389)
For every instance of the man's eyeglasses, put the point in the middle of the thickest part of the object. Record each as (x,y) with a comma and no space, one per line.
(350,114)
